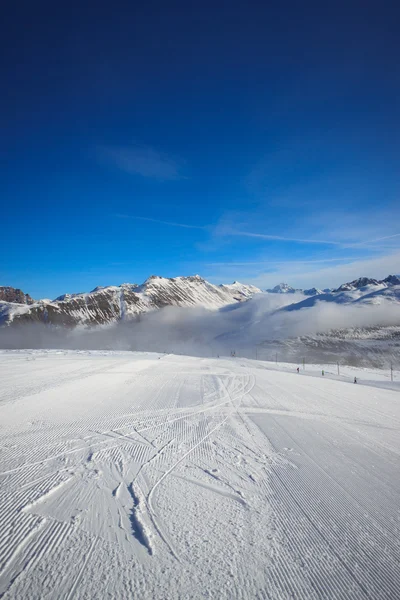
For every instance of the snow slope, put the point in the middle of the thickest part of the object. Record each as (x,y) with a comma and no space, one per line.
(156,476)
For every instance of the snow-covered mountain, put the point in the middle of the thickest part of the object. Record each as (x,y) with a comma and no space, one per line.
(115,303)
(358,284)
(362,285)
(372,293)
(282,288)
(313,292)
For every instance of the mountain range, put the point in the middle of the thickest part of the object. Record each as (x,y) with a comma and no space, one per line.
(113,304)
(361,282)
(360,291)
(117,303)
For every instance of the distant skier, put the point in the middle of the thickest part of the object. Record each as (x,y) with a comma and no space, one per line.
(298,369)
(355,379)
(323,372)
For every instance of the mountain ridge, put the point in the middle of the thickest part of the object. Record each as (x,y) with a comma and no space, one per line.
(285,288)
(110,304)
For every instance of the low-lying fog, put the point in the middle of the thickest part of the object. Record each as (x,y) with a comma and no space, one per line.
(202,332)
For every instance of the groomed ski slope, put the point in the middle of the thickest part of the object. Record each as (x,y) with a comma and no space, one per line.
(149,476)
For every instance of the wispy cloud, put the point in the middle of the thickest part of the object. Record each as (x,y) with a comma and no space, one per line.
(369,226)
(228,231)
(225,230)
(144,161)
(170,223)
(282,262)
(266,236)
(380,239)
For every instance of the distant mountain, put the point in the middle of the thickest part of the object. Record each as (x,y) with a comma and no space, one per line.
(312,292)
(361,291)
(391,280)
(115,303)
(282,288)
(367,282)
(357,284)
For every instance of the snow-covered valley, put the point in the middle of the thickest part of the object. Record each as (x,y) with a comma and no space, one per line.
(139,475)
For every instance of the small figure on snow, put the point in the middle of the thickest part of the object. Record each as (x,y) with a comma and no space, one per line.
(298,369)
(323,372)
(355,379)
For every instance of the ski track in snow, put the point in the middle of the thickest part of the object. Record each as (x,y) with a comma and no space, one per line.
(126,476)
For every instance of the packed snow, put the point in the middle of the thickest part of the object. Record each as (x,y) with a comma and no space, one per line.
(143,475)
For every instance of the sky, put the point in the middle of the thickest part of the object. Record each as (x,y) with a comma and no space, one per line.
(248,141)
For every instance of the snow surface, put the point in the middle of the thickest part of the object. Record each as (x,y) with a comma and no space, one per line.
(138,475)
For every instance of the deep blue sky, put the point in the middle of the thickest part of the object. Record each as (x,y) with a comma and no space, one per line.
(226,123)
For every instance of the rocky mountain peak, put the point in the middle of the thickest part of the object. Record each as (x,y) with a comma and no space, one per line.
(15,295)
(392,280)
(282,288)
(357,284)
(313,292)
